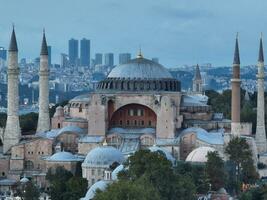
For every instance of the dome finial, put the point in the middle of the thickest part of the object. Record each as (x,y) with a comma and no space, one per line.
(105,143)
(140,55)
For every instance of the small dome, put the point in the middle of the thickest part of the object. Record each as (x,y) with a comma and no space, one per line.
(222,191)
(24,180)
(99,185)
(140,68)
(63,157)
(59,111)
(165,152)
(114,174)
(104,155)
(199,154)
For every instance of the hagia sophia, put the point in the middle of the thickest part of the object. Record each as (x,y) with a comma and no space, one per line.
(138,106)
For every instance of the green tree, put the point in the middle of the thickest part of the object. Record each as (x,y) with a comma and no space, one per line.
(76,188)
(240,155)
(30,192)
(215,170)
(154,167)
(58,182)
(140,189)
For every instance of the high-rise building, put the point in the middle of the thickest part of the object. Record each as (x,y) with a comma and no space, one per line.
(109,59)
(73,51)
(98,58)
(3,53)
(64,60)
(124,58)
(49,49)
(85,52)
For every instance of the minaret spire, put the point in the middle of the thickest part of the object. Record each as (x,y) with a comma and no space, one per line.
(197,81)
(236,54)
(12,132)
(44,49)
(260,129)
(43,119)
(235,82)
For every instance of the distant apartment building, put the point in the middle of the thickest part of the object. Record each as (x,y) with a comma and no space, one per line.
(49,49)
(124,58)
(73,51)
(98,58)
(109,59)
(85,52)
(3,52)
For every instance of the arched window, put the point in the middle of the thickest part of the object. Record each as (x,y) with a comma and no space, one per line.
(58,125)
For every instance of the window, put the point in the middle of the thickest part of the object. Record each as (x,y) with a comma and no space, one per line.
(120,122)
(80,108)
(139,112)
(3,173)
(99,172)
(135,122)
(28,165)
(131,112)
(128,122)
(58,125)
(93,181)
(93,172)
(149,123)
(135,112)
(143,123)
(142,112)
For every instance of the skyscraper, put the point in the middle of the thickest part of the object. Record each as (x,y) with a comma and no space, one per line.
(73,51)
(49,49)
(3,53)
(109,59)
(85,52)
(98,58)
(124,58)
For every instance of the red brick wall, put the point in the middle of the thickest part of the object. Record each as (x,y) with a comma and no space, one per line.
(133,115)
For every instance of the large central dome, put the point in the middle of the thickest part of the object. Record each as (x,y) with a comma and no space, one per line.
(140,68)
(139,74)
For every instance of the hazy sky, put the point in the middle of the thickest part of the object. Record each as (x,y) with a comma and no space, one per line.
(177,31)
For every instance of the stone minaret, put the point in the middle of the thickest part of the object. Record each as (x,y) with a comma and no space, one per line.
(12,131)
(260,130)
(43,119)
(235,106)
(197,81)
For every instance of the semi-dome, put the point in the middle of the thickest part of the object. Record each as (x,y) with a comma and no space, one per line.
(140,74)
(199,155)
(165,152)
(103,156)
(99,185)
(114,174)
(63,157)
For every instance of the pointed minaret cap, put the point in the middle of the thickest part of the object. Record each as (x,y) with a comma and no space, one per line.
(197,73)
(236,56)
(261,56)
(44,50)
(13,42)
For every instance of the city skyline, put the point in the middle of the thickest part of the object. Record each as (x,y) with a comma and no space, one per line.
(189,28)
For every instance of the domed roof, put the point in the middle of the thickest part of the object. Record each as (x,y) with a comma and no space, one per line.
(166,153)
(99,185)
(104,155)
(114,174)
(140,68)
(63,157)
(199,154)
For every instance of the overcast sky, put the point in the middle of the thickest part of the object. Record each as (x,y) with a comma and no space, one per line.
(177,31)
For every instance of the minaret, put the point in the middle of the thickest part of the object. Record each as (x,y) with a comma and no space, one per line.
(235,106)
(43,119)
(12,131)
(260,130)
(197,81)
